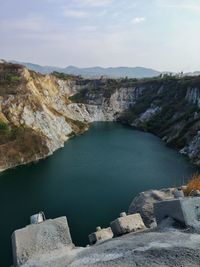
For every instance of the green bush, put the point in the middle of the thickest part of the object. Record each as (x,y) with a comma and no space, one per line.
(63,76)
(4,126)
(11,78)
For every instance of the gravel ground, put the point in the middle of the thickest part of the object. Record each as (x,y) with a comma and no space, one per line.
(160,248)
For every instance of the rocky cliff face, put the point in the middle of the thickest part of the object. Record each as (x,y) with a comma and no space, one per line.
(38,113)
(36,117)
(168,107)
(110,107)
(173,114)
(193,96)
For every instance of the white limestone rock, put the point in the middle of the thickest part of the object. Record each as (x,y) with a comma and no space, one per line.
(193,96)
(149,113)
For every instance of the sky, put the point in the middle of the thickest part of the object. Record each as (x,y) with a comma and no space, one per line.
(159,34)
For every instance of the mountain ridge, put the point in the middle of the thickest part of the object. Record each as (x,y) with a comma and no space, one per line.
(95,72)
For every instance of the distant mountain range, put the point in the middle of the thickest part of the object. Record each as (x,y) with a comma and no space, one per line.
(195,73)
(96,72)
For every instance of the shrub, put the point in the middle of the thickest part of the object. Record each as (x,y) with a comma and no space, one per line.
(193,184)
(9,77)
(64,76)
(3,126)
(78,98)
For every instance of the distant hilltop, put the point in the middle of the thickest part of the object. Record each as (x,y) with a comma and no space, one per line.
(98,72)
(95,72)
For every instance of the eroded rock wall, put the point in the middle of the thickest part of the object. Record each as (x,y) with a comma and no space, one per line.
(37,105)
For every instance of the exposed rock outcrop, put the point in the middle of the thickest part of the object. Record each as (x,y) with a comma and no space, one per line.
(193,96)
(35,106)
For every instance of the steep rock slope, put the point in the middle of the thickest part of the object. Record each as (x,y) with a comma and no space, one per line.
(33,115)
(170,110)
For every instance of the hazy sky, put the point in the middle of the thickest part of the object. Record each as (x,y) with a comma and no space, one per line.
(161,34)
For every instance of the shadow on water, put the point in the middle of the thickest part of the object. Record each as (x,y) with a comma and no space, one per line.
(91,180)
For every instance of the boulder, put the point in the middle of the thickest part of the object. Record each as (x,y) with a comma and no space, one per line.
(144,202)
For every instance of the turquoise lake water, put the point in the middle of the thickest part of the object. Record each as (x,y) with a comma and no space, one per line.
(91,180)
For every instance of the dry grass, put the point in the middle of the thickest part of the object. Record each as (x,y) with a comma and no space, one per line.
(25,147)
(193,184)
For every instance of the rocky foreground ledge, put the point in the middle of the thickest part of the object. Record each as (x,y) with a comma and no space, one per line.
(161,229)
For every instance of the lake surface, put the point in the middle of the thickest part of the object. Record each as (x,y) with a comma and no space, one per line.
(91,180)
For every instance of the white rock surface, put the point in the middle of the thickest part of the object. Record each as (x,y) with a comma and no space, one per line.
(100,235)
(127,224)
(193,96)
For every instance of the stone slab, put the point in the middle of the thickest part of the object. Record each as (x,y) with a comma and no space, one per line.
(100,235)
(40,239)
(127,224)
(184,210)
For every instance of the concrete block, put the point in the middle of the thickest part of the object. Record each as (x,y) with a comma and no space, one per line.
(127,223)
(40,239)
(100,235)
(184,210)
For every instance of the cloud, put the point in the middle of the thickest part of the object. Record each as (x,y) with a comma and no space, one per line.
(94,3)
(26,24)
(191,7)
(138,20)
(187,5)
(74,13)
(87,29)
